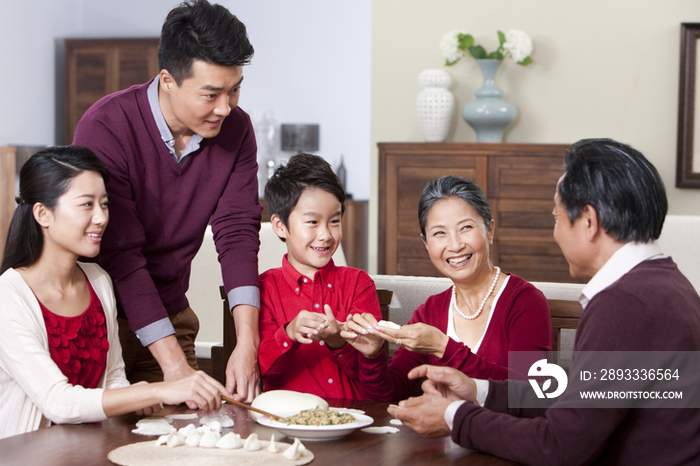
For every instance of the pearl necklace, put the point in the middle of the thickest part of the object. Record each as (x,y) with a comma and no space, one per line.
(483,303)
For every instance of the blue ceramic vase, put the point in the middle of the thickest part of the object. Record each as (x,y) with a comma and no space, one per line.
(489,114)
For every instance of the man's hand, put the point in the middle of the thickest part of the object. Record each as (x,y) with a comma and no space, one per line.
(446,382)
(242,372)
(172,361)
(425,415)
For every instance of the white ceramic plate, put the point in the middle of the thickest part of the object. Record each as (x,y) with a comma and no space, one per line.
(318,432)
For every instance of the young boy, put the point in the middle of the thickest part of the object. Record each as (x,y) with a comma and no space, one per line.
(305,302)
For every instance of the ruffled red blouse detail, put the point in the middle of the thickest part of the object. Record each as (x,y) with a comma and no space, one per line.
(78,345)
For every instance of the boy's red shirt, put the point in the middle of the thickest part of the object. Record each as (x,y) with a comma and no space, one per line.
(312,368)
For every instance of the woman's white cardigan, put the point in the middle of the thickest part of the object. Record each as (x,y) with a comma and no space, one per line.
(33,390)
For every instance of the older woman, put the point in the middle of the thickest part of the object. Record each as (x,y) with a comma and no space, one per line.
(471,326)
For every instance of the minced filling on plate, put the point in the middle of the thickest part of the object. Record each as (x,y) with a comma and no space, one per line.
(319,417)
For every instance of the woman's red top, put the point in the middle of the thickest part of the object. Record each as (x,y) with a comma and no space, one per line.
(78,345)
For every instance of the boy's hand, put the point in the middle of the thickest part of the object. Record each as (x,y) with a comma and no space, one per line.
(356,333)
(306,326)
(330,333)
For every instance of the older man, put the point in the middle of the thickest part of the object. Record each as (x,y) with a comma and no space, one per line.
(610,206)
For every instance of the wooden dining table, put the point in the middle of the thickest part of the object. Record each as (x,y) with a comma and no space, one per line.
(89,444)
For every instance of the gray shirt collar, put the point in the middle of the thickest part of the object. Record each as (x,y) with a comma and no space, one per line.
(165,134)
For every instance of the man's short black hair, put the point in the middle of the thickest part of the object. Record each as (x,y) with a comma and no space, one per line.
(198,30)
(303,171)
(620,184)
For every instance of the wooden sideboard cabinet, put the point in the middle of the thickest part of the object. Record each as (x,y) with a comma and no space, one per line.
(97,67)
(519,181)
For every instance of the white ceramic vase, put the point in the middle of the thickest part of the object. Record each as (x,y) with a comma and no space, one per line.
(435,104)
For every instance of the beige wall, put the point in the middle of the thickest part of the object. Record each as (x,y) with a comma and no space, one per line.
(602,68)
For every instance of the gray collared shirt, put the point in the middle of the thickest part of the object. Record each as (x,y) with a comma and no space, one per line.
(165,133)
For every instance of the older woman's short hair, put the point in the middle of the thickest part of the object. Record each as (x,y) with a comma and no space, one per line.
(451,186)
(619,183)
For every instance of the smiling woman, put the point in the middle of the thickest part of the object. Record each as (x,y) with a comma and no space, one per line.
(60,357)
(471,326)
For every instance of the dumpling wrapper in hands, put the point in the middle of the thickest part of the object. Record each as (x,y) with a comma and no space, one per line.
(296,451)
(388,324)
(252,443)
(209,439)
(230,441)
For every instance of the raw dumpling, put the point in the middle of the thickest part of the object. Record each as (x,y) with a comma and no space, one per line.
(225,421)
(296,451)
(209,439)
(273,448)
(193,438)
(230,441)
(186,430)
(215,426)
(162,440)
(252,443)
(175,439)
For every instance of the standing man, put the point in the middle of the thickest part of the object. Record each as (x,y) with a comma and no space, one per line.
(610,206)
(181,155)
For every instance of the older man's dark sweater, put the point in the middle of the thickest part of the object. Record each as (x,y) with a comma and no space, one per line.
(651,308)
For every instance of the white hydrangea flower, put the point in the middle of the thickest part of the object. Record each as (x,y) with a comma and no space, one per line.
(449,46)
(518,45)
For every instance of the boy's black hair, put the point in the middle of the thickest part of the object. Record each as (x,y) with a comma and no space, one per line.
(303,171)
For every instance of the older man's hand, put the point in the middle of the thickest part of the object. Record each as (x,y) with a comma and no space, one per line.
(425,415)
(446,382)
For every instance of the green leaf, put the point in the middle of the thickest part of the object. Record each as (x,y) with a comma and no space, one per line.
(525,62)
(477,51)
(497,55)
(465,41)
(501,39)
(450,63)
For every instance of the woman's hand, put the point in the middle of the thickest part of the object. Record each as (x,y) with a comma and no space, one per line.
(148,410)
(356,332)
(198,387)
(418,337)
